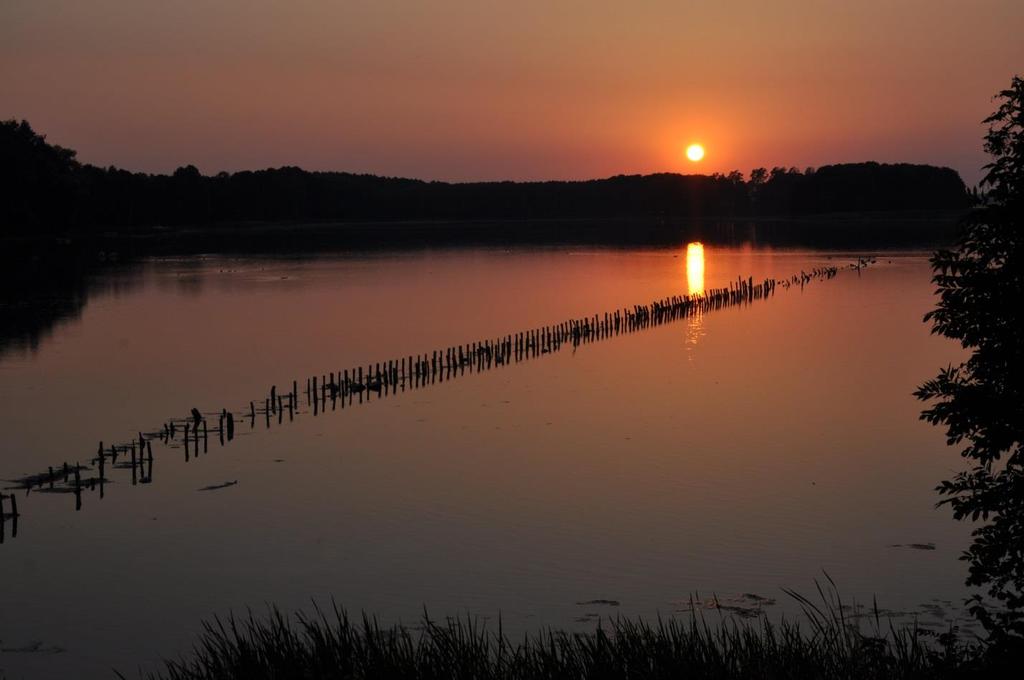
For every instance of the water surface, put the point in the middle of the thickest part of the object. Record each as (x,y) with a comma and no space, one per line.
(735,452)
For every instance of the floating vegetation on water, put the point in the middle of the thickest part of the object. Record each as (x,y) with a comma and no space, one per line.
(914,546)
(744,605)
(222,485)
(34,647)
(610,603)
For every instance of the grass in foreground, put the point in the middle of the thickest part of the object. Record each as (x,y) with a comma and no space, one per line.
(328,644)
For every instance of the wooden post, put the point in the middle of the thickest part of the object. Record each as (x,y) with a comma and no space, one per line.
(78,488)
(103,475)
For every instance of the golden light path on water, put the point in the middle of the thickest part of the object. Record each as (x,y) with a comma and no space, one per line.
(695,267)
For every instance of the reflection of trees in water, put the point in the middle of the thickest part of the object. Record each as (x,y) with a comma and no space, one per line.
(981,402)
(31,316)
(38,294)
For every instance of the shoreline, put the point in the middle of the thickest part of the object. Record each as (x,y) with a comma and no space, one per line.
(879,230)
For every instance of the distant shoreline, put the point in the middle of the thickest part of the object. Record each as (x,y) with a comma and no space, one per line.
(880,230)
(892,217)
(51,192)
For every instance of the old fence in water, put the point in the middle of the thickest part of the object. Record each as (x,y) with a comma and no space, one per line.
(347,387)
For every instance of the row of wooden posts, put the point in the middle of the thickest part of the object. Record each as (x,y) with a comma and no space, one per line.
(356,385)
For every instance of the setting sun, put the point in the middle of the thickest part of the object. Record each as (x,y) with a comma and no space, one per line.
(695,152)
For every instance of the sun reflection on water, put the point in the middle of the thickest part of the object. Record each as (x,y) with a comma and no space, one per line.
(695,267)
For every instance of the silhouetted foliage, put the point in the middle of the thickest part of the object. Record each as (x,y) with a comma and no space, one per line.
(981,401)
(38,181)
(49,192)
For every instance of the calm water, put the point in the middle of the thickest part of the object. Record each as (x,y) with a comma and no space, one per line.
(735,453)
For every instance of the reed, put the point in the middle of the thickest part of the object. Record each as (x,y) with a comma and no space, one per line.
(330,644)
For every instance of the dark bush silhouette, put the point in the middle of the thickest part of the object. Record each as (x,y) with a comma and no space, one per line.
(981,401)
(47,191)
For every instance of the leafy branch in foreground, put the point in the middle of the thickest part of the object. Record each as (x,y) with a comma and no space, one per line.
(981,401)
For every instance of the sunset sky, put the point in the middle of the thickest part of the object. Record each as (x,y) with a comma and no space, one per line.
(511,90)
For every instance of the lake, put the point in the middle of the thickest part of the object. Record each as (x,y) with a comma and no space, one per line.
(734,452)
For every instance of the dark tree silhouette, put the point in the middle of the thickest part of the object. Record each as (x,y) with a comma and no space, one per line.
(37,180)
(981,401)
(47,191)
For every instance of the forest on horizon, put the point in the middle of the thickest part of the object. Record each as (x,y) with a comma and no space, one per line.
(46,190)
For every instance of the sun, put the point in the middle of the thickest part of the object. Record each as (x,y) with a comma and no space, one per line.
(695,152)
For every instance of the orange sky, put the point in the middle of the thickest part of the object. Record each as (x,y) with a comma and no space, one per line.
(511,90)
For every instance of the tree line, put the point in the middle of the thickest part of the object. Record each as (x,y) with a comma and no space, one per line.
(49,191)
